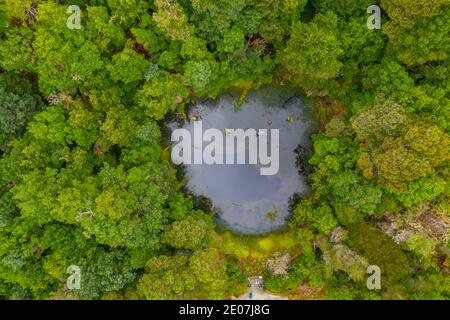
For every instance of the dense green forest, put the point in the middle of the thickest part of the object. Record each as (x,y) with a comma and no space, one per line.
(85,180)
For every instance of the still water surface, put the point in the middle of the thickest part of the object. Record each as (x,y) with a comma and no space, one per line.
(246,201)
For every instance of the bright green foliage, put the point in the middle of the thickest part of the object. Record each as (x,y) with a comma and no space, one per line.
(199,276)
(346,214)
(66,58)
(385,118)
(119,126)
(220,13)
(350,189)
(161,95)
(423,189)
(127,66)
(413,45)
(305,238)
(99,28)
(169,277)
(424,247)
(390,78)
(305,269)
(236,276)
(414,155)
(16,52)
(321,218)
(127,11)
(198,74)
(337,178)
(403,158)
(331,156)
(432,286)
(302,214)
(344,8)
(233,40)
(188,233)
(313,50)
(277,18)
(406,12)
(360,48)
(170,17)
(12,55)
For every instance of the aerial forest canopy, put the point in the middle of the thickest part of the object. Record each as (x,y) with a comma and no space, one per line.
(85,86)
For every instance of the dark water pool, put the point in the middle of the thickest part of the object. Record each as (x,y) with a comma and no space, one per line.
(246,201)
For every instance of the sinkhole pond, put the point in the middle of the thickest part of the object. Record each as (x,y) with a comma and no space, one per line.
(244,200)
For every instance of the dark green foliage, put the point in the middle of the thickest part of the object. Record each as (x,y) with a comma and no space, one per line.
(17,105)
(379,250)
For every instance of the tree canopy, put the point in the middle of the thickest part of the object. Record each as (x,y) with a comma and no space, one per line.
(84,180)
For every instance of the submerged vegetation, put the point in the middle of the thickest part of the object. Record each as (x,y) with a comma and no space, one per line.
(86,181)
